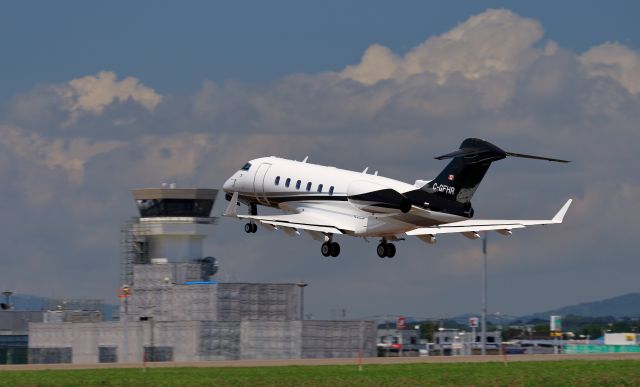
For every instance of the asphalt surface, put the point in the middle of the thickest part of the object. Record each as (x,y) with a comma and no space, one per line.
(320,362)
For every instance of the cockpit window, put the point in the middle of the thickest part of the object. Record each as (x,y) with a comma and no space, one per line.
(246,167)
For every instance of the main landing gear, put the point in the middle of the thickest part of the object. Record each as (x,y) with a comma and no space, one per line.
(330,248)
(386,249)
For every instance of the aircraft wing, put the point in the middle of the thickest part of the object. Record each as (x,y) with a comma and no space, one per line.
(302,221)
(471,226)
(310,221)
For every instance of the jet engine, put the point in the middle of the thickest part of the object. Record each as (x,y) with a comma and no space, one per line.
(377,198)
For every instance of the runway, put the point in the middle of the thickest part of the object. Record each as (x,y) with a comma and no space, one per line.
(321,362)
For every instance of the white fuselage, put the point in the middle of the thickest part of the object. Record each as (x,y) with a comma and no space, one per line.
(295,186)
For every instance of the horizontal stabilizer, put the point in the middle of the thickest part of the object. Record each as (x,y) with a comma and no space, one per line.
(475,147)
(524,156)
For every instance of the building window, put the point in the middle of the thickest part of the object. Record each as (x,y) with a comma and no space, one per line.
(298,184)
(331,190)
(319,187)
(158,354)
(277,180)
(308,186)
(107,354)
(287,183)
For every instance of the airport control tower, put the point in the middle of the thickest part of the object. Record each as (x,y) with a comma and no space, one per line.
(171,229)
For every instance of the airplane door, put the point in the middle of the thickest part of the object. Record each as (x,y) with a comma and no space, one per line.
(258,183)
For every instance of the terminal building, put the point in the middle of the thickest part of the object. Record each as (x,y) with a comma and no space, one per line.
(173,309)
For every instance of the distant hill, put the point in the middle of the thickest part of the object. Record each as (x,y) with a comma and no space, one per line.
(627,305)
(28,302)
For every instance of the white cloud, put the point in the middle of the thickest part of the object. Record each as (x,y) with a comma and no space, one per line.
(171,157)
(378,63)
(615,61)
(92,94)
(492,42)
(69,155)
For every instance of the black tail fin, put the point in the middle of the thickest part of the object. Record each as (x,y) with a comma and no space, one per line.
(459,180)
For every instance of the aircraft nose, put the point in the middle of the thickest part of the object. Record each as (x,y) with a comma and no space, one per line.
(228,185)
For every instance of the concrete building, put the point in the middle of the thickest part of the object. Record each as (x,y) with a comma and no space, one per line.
(459,342)
(172,309)
(394,342)
(14,335)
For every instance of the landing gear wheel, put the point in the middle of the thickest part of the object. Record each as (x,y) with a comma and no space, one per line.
(391,250)
(382,250)
(335,249)
(250,228)
(325,249)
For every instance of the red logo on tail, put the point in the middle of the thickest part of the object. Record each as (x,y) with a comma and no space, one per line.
(451,177)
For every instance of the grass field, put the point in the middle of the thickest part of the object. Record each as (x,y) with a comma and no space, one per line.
(560,373)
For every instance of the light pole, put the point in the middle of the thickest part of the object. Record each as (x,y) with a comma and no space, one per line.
(484,295)
(124,294)
(301,285)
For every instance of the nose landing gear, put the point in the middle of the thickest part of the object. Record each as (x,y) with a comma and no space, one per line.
(250,228)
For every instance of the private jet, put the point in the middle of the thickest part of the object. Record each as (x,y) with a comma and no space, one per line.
(325,201)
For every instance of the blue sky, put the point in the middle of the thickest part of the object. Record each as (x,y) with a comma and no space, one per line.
(99,98)
(175,46)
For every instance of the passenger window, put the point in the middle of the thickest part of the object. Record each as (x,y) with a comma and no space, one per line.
(277,180)
(331,190)
(308,186)
(319,187)
(288,182)
(246,167)
(298,184)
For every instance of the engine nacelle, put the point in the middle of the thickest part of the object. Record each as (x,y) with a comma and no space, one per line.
(376,198)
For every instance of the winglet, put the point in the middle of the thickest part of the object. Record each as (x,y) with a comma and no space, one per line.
(231,210)
(560,215)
